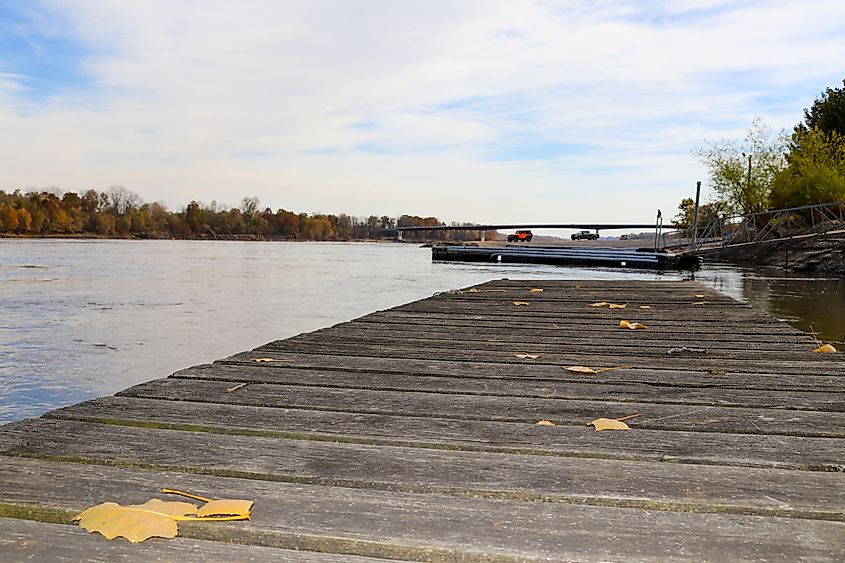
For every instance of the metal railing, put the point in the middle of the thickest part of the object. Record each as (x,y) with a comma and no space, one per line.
(767,225)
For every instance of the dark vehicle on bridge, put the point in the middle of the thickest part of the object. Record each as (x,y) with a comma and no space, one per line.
(585,235)
(521,236)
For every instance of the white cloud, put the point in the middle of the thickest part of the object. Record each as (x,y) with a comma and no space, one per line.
(390,107)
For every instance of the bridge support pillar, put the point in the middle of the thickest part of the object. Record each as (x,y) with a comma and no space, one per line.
(483,236)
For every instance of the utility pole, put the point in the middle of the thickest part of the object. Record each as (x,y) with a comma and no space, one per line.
(695,217)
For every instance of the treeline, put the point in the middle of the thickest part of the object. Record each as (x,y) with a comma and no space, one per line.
(119,212)
(768,171)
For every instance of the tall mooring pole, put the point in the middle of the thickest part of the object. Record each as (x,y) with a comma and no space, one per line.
(695,217)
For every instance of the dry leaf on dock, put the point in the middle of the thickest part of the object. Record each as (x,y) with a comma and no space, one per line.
(529,356)
(825,348)
(536,290)
(545,423)
(585,369)
(261,360)
(630,325)
(645,306)
(600,304)
(612,423)
(616,306)
(231,390)
(517,303)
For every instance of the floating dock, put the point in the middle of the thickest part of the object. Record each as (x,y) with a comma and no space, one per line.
(565,256)
(412,434)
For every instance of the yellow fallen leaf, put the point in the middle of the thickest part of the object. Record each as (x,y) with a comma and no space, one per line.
(524,356)
(158,518)
(226,507)
(632,326)
(645,306)
(520,303)
(615,306)
(135,522)
(585,369)
(611,423)
(472,290)
(581,369)
(545,423)
(700,303)
(259,360)
(608,424)
(700,295)
(825,348)
(536,290)
(600,304)
(218,509)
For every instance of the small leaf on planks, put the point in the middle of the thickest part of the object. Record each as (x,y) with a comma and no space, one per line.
(231,390)
(585,369)
(527,356)
(472,290)
(700,295)
(518,303)
(825,349)
(699,303)
(545,423)
(617,306)
(645,306)
(612,423)
(261,360)
(536,290)
(600,304)
(631,326)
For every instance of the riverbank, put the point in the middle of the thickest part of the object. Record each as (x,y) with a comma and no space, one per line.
(815,254)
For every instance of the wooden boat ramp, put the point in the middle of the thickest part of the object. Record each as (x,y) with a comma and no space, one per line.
(415,434)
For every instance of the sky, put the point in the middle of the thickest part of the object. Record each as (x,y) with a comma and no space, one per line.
(486,111)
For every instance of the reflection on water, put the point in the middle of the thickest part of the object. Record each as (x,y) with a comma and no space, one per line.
(80,319)
(806,302)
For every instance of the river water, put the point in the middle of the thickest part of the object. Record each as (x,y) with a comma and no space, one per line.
(86,318)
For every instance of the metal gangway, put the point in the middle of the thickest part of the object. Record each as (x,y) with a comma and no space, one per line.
(765,226)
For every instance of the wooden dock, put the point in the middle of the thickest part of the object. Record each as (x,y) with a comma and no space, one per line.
(412,434)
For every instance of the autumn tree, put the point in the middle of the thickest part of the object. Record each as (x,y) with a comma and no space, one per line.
(742,172)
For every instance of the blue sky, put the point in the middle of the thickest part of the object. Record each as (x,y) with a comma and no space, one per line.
(492,110)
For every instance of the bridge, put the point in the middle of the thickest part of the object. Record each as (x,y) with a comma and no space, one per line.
(483,228)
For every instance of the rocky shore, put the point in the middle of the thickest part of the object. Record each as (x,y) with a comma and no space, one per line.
(817,254)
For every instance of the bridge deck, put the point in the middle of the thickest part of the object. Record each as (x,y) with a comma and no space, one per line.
(412,434)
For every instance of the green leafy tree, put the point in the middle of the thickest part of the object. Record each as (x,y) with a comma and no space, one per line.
(739,187)
(827,113)
(816,170)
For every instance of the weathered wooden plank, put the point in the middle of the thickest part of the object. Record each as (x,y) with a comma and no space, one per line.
(605,482)
(536,370)
(562,323)
(498,331)
(698,316)
(737,362)
(617,340)
(26,540)
(714,448)
(700,418)
(432,527)
(587,387)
